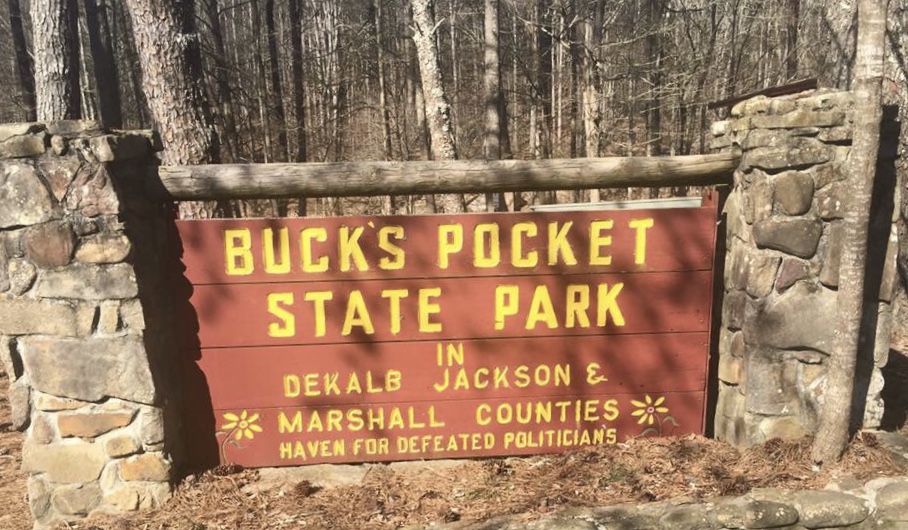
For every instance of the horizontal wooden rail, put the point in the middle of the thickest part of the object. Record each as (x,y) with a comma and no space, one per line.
(346,179)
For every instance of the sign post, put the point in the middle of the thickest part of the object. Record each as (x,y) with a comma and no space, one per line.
(362,339)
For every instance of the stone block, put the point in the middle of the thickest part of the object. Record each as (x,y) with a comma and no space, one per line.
(761,273)
(4,270)
(826,174)
(109,317)
(73,128)
(89,282)
(118,367)
(784,427)
(731,369)
(9,358)
(76,500)
(153,467)
(790,271)
(72,463)
(803,317)
(827,100)
(50,245)
(800,118)
(836,135)
(892,500)
(802,152)
(92,424)
(27,145)
(11,130)
(733,309)
(131,315)
(39,493)
(793,192)
(50,403)
(748,513)
(719,128)
(24,200)
(765,138)
(103,248)
(121,445)
(781,106)
(758,199)
(151,425)
(59,173)
(42,430)
(92,193)
(22,276)
(769,388)
(735,276)
(829,202)
(824,509)
(20,404)
(58,145)
(796,236)
(685,517)
(123,499)
(122,146)
(28,316)
(829,273)
(890,266)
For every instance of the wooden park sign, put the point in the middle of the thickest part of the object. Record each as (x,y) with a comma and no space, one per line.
(362,339)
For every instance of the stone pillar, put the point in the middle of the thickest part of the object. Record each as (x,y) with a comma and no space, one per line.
(76,315)
(781,271)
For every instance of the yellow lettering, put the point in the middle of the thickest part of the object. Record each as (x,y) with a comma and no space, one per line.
(541,309)
(237,249)
(284,425)
(640,225)
(610,410)
(427,308)
(608,305)
(286,325)
(506,303)
(483,414)
(397,256)
(518,258)
(291,386)
(598,240)
(271,264)
(310,385)
(318,299)
(576,305)
(307,236)
(450,241)
(486,247)
(558,244)
(394,297)
(357,314)
(349,249)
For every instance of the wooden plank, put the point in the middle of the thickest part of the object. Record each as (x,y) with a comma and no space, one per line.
(447,309)
(345,179)
(446,245)
(427,371)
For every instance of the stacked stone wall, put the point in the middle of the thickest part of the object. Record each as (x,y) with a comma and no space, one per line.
(784,230)
(77,336)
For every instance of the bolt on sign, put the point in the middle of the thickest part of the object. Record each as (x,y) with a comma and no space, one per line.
(361,339)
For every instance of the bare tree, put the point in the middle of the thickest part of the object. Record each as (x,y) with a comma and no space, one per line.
(105,64)
(23,60)
(833,433)
(56,59)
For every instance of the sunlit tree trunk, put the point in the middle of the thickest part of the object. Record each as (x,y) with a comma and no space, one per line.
(56,59)
(833,432)
(23,61)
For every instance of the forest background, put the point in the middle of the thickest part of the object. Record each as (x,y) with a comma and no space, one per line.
(329,80)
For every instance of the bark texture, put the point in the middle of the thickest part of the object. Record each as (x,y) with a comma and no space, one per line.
(56,74)
(174,96)
(438,111)
(833,433)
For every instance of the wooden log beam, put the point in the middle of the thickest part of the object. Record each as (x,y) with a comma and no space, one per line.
(346,179)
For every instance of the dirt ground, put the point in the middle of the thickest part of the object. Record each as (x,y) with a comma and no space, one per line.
(641,470)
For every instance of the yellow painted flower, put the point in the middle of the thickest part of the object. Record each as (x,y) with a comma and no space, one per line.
(647,410)
(244,424)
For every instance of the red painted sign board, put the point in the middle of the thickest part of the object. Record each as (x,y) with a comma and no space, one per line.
(396,338)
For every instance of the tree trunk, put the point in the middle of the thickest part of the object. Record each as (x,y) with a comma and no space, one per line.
(174,93)
(438,111)
(23,61)
(792,18)
(224,93)
(56,60)
(296,68)
(491,139)
(282,153)
(107,79)
(833,432)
